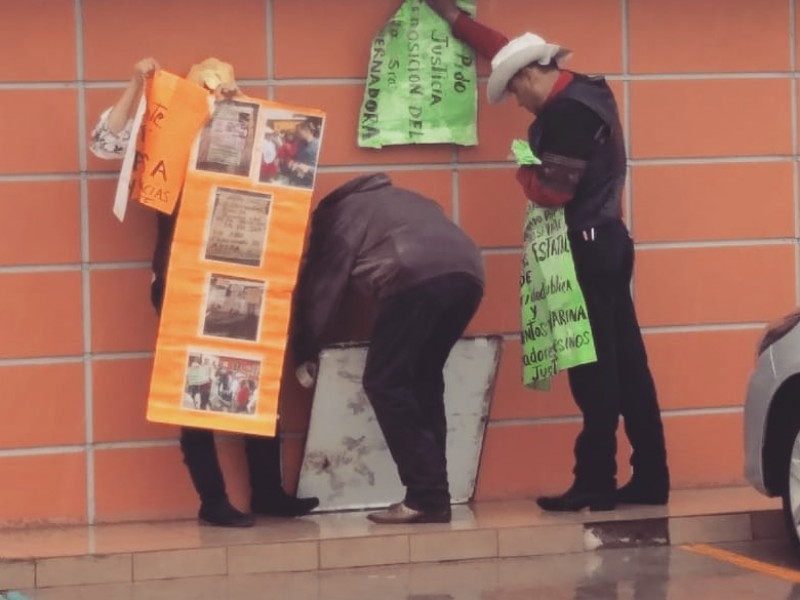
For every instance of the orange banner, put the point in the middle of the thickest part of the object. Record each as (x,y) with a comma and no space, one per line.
(233,266)
(176,110)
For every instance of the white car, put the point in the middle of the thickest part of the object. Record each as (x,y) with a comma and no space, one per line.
(772,419)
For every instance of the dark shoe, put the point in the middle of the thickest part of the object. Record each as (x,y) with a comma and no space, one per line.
(400,513)
(281,504)
(573,501)
(636,492)
(224,515)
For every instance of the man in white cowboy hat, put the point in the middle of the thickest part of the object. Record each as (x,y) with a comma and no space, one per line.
(578,136)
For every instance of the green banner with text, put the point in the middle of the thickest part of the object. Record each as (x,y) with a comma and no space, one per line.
(422,84)
(556,333)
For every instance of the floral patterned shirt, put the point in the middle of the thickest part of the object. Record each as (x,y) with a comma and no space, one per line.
(104,143)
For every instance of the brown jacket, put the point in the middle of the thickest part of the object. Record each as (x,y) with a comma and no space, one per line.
(383,238)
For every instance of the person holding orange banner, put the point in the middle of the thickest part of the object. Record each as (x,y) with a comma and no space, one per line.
(110,139)
(426,276)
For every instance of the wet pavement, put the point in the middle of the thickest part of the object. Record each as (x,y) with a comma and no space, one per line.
(708,543)
(740,571)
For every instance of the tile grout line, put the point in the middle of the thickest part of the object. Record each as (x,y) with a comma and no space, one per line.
(679,161)
(334,81)
(74,359)
(85,272)
(70,267)
(794,124)
(496,163)
(626,98)
(576,418)
(227,557)
(269,48)
(455,194)
(688,244)
(438,166)
(627,127)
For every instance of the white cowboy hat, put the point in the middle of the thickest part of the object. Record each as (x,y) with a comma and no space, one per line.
(517,54)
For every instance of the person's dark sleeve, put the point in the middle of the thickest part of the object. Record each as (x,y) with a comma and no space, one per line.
(324,276)
(571,132)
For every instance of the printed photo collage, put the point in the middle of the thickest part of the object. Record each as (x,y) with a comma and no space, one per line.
(261,145)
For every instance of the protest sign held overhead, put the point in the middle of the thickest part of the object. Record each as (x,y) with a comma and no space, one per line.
(421,84)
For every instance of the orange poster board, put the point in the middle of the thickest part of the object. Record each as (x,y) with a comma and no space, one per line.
(234,261)
(176,110)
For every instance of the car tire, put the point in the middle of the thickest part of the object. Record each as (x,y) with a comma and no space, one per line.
(791,494)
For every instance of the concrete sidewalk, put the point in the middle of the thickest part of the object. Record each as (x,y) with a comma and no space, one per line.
(124,553)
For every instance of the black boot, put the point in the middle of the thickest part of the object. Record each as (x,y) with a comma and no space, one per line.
(576,499)
(200,456)
(653,491)
(281,504)
(224,515)
(268,496)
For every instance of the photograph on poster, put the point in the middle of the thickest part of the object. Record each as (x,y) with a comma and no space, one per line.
(226,142)
(233,307)
(221,382)
(290,149)
(237,229)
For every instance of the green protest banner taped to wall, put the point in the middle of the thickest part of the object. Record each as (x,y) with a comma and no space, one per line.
(556,333)
(422,84)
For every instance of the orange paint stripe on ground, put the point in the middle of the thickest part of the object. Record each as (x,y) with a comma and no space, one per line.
(743,562)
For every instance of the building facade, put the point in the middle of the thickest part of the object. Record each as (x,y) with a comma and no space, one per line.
(708,92)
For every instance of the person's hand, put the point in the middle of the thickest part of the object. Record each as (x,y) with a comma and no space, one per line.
(144,69)
(123,109)
(227,90)
(307,374)
(446,9)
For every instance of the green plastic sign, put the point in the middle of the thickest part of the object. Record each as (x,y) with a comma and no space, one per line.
(523,154)
(422,84)
(556,333)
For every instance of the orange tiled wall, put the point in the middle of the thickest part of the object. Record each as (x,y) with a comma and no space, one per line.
(709,100)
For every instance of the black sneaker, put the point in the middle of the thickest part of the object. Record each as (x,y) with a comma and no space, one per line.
(574,500)
(224,515)
(284,505)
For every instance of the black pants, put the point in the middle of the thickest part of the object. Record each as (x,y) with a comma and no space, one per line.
(619,383)
(413,334)
(263,466)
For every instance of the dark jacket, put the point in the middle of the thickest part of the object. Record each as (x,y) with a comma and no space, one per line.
(598,197)
(383,238)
